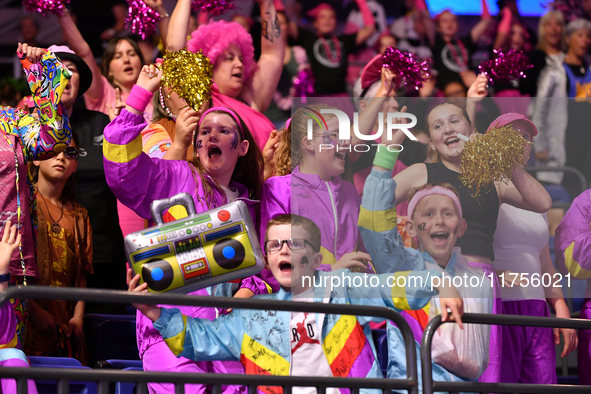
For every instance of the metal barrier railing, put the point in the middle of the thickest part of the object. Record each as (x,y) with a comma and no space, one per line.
(430,386)
(63,376)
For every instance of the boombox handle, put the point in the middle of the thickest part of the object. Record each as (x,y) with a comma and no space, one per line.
(158,206)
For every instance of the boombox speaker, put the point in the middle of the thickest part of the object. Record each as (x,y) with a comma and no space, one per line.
(197,251)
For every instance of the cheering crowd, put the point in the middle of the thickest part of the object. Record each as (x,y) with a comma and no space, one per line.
(93,145)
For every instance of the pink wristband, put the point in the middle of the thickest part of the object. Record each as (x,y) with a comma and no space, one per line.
(505,24)
(368,19)
(139,98)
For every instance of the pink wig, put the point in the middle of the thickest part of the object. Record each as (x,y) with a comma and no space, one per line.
(214,38)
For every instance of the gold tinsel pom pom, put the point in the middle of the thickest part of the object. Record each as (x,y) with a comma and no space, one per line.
(189,75)
(491,157)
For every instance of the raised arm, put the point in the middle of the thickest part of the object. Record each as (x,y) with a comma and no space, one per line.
(525,192)
(76,42)
(378,225)
(157,6)
(176,37)
(503,37)
(369,24)
(483,24)
(47,78)
(259,90)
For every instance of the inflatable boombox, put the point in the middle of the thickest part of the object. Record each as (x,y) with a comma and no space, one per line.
(197,251)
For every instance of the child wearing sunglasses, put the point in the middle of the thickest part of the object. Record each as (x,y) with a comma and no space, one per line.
(64,258)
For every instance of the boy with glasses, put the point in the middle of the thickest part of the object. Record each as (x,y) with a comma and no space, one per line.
(296,343)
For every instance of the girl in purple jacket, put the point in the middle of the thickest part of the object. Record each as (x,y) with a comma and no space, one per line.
(315,190)
(226,159)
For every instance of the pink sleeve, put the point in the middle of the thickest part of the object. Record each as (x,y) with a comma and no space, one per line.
(107,96)
(275,201)
(368,19)
(7,326)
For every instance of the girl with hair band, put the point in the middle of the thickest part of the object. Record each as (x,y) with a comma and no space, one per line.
(25,137)
(110,87)
(239,82)
(314,189)
(227,166)
(445,122)
(521,245)
(120,68)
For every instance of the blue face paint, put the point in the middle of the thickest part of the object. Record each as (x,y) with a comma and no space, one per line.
(235,141)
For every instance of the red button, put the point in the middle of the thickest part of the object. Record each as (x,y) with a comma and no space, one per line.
(224,215)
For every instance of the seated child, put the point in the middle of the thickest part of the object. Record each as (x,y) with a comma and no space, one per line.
(9,356)
(295,343)
(435,219)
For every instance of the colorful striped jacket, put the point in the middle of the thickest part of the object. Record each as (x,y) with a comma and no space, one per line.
(261,339)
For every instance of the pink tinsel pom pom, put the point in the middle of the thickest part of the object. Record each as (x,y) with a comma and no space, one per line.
(141,19)
(303,84)
(43,6)
(505,67)
(212,7)
(407,66)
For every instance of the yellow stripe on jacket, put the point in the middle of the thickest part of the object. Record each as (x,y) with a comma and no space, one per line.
(122,153)
(176,343)
(378,221)
(573,266)
(263,357)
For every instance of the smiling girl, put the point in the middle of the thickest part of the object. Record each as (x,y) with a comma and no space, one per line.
(227,166)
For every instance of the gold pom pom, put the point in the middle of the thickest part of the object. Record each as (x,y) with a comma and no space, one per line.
(491,157)
(189,75)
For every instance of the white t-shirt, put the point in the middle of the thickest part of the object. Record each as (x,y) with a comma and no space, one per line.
(231,195)
(518,243)
(307,354)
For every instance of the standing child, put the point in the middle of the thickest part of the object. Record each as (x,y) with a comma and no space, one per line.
(227,166)
(64,258)
(275,342)
(435,219)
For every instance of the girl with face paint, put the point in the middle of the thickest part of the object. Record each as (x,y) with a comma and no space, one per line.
(227,165)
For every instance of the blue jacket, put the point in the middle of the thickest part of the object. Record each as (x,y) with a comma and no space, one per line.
(261,339)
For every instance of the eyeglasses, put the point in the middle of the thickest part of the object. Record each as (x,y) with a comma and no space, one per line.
(275,245)
(334,137)
(71,153)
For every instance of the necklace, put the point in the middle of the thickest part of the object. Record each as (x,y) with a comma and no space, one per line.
(163,104)
(55,227)
(464,53)
(328,52)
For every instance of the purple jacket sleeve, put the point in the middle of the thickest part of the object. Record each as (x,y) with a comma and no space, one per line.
(275,201)
(573,239)
(135,178)
(256,285)
(8,337)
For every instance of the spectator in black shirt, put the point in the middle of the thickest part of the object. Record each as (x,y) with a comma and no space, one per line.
(327,52)
(92,190)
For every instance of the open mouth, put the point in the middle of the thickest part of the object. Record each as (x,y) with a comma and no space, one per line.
(340,155)
(451,140)
(439,238)
(285,268)
(128,69)
(237,75)
(214,152)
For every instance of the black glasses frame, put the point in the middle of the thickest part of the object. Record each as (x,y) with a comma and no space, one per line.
(289,243)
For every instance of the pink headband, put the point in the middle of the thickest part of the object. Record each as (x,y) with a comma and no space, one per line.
(429,191)
(226,110)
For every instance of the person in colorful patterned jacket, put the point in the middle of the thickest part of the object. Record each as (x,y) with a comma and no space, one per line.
(25,137)
(9,356)
(295,343)
(435,219)
(226,160)
(573,256)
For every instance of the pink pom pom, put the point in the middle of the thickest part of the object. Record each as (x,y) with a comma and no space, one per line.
(43,6)
(303,84)
(505,67)
(212,7)
(141,19)
(407,66)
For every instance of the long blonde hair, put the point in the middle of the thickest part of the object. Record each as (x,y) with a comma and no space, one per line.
(299,129)
(542,43)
